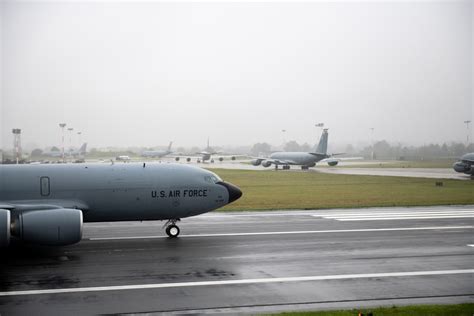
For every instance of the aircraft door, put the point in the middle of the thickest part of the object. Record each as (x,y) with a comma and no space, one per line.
(44,186)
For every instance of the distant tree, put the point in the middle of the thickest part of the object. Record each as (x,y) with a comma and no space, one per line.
(306,147)
(36,152)
(260,148)
(349,149)
(292,146)
(54,148)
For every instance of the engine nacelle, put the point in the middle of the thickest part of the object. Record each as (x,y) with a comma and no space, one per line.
(56,227)
(4,228)
(256,162)
(188,159)
(461,167)
(333,163)
(176,158)
(266,163)
(221,159)
(232,158)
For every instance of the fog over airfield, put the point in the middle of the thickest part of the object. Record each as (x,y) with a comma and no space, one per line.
(141,74)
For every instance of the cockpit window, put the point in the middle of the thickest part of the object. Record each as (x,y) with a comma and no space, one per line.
(212,179)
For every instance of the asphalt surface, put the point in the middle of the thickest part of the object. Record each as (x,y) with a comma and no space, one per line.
(250,263)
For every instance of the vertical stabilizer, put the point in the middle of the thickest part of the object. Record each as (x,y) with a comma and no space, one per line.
(83,149)
(169,146)
(322,147)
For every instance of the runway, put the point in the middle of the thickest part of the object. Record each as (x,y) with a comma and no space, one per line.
(250,262)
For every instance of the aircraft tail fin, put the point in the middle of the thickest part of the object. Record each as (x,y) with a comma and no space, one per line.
(169,146)
(83,149)
(322,147)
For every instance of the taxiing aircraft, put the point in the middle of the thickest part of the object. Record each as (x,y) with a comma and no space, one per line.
(303,159)
(47,204)
(465,164)
(206,155)
(158,153)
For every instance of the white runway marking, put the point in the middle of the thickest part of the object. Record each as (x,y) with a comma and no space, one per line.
(402,215)
(292,232)
(237,282)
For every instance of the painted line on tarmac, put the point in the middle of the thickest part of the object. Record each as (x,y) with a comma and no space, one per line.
(291,232)
(237,282)
(355,219)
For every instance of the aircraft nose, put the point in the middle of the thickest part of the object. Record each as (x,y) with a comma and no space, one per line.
(234,192)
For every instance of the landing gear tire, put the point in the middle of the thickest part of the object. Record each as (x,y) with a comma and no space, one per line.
(172,231)
(304,167)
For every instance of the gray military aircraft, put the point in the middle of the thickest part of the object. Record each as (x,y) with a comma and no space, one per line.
(81,152)
(206,155)
(303,159)
(465,164)
(158,153)
(47,204)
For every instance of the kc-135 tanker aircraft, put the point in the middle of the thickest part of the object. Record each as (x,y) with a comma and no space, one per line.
(303,159)
(47,204)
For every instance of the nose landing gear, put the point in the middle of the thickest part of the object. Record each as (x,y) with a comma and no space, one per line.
(172,230)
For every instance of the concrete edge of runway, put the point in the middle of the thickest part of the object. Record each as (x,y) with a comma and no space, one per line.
(322,305)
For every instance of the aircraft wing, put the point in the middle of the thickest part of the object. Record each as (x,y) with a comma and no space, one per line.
(273,161)
(38,205)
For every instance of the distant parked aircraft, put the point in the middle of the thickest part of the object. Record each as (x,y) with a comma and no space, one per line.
(465,164)
(303,159)
(122,158)
(206,155)
(47,204)
(158,153)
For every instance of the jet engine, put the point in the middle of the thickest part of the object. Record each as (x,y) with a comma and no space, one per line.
(256,162)
(333,163)
(176,158)
(461,167)
(266,163)
(188,159)
(4,228)
(221,158)
(56,227)
(232,158)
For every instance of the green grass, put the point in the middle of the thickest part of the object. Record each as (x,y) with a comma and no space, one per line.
(416,310)
(267,190)
(440,163)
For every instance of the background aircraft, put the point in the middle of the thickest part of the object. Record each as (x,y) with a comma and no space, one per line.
(303,159)
(81,152)
(123,158)
(158,153)
(465,164)
(206,155)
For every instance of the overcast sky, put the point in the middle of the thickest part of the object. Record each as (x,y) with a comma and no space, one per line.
(141,74)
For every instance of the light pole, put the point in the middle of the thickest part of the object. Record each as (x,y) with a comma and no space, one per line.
(79,137)
(284,139)
(17,143)
(467,126)
(62,126)
(372,141)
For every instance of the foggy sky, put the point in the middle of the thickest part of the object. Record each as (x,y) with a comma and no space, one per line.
(142,74)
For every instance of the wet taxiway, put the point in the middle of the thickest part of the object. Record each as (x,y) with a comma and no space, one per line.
(250,263)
